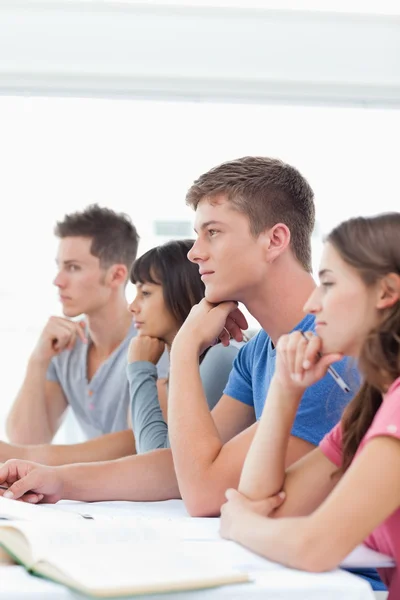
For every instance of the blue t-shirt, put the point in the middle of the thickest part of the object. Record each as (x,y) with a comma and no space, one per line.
(320,408)
(322,404)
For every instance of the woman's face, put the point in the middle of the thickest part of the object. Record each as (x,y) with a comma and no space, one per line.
(150,314)
(345,308)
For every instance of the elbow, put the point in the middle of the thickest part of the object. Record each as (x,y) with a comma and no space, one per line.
(202,501)
(313,555)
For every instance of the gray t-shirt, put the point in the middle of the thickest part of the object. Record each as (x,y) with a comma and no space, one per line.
(149,427)
(101,404)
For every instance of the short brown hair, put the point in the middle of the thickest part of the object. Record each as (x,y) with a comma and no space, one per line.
(114,237)
(268,191)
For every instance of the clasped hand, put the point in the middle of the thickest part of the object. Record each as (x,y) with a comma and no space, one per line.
(209,322)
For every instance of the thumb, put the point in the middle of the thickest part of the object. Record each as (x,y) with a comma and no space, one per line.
(22,486)
(277,500)
(328,359)
(230,494)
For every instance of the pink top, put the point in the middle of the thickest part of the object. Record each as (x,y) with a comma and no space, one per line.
(386,537)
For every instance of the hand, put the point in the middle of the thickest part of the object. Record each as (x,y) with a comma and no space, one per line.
(59,334)
(31,482)
(238,507)
(299,362)
(207,322)
(144,347)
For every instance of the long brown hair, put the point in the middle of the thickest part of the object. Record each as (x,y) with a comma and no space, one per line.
(372,246)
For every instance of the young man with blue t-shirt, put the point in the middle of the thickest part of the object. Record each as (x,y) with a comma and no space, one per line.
(254,220)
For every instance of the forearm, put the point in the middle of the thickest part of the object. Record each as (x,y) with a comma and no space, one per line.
(28,421)
(106,447)
(193,436)
(263,473)
(140,478)
(293,542)
(149,427)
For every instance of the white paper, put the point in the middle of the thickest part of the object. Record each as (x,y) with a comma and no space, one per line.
(364,557)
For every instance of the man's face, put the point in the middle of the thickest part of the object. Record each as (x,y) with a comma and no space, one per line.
(80,279)
(231,260)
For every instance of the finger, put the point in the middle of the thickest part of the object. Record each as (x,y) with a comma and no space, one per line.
(233,329)
(312,353)
(21,487)
(299,358)
(239,317)
(31,498)
(295,344)
(80,329)
(224,337)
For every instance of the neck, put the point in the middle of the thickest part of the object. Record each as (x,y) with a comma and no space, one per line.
(277,303)
(109,326)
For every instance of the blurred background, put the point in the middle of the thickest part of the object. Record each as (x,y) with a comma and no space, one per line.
(125,103)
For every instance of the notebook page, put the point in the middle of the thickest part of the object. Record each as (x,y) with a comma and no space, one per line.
(137,564)
(13,509)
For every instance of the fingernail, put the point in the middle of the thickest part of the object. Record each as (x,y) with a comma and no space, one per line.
(8,494)
(306,364)
(282,495)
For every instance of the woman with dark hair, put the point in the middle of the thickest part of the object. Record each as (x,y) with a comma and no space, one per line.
(168,285)
(348,490)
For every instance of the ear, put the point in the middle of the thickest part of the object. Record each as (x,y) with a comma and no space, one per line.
(277,239)
(389,291)
(117,275)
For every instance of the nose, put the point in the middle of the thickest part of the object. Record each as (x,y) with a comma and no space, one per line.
(313,304)
(133,306)
(59,280)
(196,252)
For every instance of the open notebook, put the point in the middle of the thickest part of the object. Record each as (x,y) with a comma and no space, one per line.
(113,559)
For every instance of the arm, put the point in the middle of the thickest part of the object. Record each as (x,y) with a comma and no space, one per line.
(106,447)
(149,427)
(366,496)
(264,470)
(40,405)
(145,477)
(204,464)
(38,409)
(214,371)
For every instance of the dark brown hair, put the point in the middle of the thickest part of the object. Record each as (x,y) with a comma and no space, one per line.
(114,237)
(268,191)
(168,265)
(371,246)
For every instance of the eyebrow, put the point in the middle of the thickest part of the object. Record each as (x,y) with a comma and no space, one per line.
(324,272)
(207,224)
(67,262)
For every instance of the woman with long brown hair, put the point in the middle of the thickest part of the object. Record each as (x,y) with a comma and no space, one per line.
(347,491)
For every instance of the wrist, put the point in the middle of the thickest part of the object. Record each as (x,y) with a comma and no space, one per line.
(185,348)
(285,392)
(38,362)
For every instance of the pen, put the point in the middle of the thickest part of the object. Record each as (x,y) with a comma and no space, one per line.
(332,372)
(3,487)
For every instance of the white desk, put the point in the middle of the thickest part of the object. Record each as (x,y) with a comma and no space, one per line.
(270,581)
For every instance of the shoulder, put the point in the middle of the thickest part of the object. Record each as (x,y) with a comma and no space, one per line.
(387,419)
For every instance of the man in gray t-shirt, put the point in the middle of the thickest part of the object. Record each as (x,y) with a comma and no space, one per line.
(81,364)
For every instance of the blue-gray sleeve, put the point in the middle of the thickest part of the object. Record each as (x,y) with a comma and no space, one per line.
(214,371)
(51,374)
(149,428)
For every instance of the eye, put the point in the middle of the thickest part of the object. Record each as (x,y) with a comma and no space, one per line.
(73,268)
(145,293)
(327,284)
(212,232)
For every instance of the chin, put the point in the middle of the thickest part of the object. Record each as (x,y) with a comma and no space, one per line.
(71,313)
(215,296)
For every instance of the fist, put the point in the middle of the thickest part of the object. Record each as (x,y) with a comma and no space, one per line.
(58,335)
(145,348)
